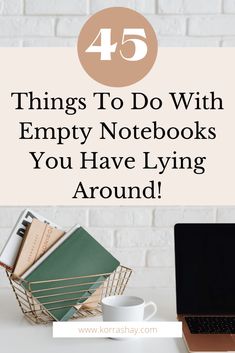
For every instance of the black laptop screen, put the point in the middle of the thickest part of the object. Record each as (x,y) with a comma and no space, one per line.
(205,268)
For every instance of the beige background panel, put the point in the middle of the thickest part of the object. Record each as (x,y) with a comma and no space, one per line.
(201,70)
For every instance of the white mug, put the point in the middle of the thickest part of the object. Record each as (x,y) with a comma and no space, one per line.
(126,308)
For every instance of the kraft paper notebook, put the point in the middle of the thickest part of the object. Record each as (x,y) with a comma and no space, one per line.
(38,238)
(76,254)
(10,251)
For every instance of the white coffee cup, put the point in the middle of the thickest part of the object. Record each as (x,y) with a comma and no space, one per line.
(126,308)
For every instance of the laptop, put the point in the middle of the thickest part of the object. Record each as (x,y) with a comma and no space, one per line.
(205,285)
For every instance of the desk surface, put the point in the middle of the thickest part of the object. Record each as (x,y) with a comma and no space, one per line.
(19,336)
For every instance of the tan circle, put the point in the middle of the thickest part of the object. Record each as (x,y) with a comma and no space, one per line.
(117,47)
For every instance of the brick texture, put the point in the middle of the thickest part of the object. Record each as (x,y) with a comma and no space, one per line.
(168,25)
(229,6)
(69,26)
(97,5)
(160,257)
(11,7)
(178,23)
(110,217)
(223,25)
(26,26)
(60,7)
(146,7)
(189,6)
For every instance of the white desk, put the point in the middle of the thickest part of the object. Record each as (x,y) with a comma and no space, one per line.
(19,336)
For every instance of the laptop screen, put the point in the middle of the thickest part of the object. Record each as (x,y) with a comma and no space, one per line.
(205,268)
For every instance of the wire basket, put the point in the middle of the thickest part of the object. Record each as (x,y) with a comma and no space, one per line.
(89,302)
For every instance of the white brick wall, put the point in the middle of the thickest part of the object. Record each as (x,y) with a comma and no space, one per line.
(58,22)
(11,7)
(189,6)
(216,25)
(97,5)
(140,237)
(229,6)
(59,7)
(23,27)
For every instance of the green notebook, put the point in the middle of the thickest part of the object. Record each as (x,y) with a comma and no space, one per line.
(76,254)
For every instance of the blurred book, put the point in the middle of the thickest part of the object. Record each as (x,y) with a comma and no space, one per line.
(89,304)
(92,302)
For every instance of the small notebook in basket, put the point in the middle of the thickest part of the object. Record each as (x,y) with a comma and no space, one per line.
(76,254)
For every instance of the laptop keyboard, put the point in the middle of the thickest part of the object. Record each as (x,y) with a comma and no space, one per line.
(211,325)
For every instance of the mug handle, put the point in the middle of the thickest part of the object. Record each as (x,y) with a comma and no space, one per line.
(154,310)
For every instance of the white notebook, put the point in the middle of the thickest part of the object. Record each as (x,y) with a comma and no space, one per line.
(9,253)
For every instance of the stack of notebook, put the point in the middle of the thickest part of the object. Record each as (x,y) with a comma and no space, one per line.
(41,253)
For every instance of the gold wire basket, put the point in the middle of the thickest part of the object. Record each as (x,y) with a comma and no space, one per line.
(28,294)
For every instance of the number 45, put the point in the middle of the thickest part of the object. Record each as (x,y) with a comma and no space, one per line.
(106,48)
